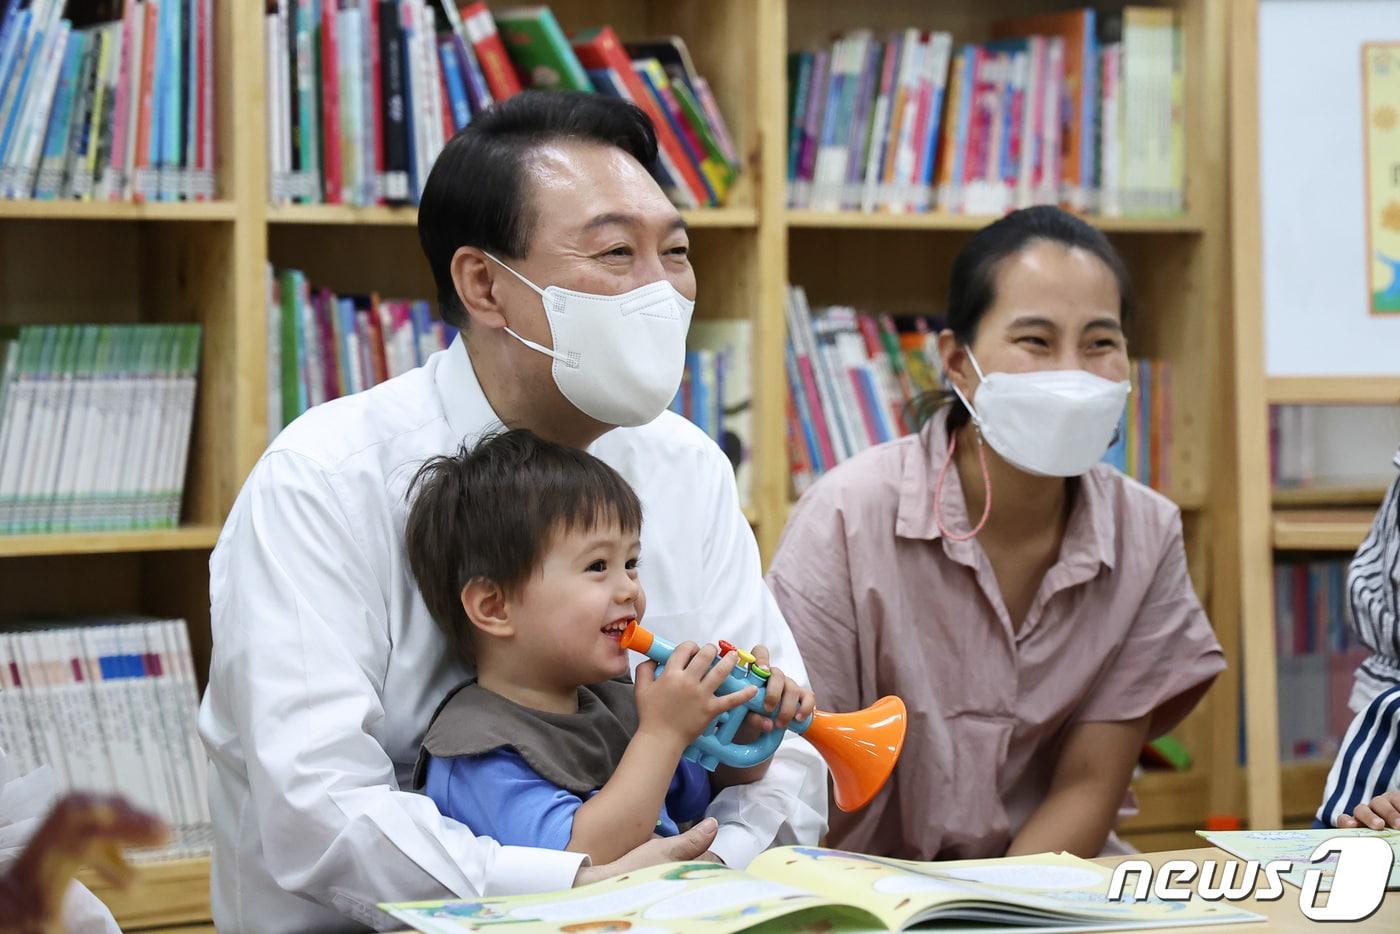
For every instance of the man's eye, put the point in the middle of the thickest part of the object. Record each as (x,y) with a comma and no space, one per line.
(619,251)
(632,563)
(679,251)
(599,566)
(1033,341)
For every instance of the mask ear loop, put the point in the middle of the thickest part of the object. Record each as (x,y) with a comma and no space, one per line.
(938,491)
(981,461)
(524,340)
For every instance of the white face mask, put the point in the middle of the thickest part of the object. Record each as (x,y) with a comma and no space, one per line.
(1053,423)
(617,358)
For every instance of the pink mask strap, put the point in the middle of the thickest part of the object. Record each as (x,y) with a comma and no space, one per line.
(938,491)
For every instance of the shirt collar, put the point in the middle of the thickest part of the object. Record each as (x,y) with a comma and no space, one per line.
(463,401)
(1089,535)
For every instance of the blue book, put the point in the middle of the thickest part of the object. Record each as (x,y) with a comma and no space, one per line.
(1089,106)
(172,95)
(161,66)
(11,52)
(456,86)
(424,335)
(478,94)
(7,17)
(804,412)
(50,175)
(344,312)
(12,102)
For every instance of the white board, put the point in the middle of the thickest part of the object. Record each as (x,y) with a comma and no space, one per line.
(1312,191)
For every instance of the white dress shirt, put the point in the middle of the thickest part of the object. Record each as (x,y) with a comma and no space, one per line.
(327,665)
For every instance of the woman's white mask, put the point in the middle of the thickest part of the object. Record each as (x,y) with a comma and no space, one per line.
(1053,423)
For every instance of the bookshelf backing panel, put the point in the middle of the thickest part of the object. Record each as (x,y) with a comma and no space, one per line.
(176,585)
(70,584)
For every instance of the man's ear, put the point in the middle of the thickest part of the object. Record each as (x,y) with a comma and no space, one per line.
(475,277)
(487,607)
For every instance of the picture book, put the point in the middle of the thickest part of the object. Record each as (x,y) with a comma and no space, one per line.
(1297,847)
(819,890)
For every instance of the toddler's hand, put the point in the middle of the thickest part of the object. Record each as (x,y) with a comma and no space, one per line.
(680,703)
(1380,812)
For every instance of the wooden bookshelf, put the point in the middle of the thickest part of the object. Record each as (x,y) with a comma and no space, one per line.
(1321,529)
(208,262)
(117,211)
(1325,494)
(163,894)
(1271,522)
(937,220)
(187,538)
(737,217)
(1333,390)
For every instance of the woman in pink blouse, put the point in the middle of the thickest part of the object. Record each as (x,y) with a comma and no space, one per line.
(1030,604)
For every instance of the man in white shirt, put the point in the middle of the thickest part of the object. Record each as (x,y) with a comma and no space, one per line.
(326,665)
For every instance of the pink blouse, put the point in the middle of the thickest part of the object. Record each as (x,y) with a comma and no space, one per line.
(881,603)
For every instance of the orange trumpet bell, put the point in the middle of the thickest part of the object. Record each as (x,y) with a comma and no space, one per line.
(860,748)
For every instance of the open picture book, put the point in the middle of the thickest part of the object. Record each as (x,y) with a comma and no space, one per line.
(810,889)
(1297,847)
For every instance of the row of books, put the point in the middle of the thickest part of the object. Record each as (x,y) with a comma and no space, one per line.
(321,345)
(852,378)
(111,705)
(1066,107)
(107,110)
(716,391)
(1318,654)
(95,425)
(1143,446)
(1338,446)
(363,94)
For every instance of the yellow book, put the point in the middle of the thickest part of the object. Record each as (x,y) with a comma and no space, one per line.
(811,889)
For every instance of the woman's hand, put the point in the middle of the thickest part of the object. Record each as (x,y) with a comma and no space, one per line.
(784,699)
(1378,813)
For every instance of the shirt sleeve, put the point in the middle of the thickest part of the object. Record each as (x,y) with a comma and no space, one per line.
(1170,656)
(498,795)
(300,648)
(787,805)
(811,580)
(690,792)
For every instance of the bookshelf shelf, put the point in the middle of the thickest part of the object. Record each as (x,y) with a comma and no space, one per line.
(734,217)
(1333,390)
(162,893)
(1321,529)
(1329,495)
(118,211)
(936,220)
(187,538)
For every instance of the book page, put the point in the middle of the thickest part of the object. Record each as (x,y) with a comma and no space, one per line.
(1297,846)
(686,898)
(1050,886)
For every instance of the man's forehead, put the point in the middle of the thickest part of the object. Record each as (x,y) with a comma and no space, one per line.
(581,187)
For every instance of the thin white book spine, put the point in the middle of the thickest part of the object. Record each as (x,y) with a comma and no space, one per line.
(155,450)
(71,459)
(146,719)
(188,389)
(103,650)
(44,707)
(168,729)
(36,120)
(102,775)
(21,746)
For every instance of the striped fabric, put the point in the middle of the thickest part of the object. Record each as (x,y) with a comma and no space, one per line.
(1374,587)
(1369,763)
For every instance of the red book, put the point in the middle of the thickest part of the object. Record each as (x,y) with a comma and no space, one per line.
(490,50)
(330,107)
(598,49)
(371,25)
(143,185)
(814,405)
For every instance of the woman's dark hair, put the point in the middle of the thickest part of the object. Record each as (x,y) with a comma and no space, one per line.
(972,287)
(493,510)
(475,194)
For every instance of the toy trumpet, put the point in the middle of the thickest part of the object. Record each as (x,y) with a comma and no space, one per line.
(860,748)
